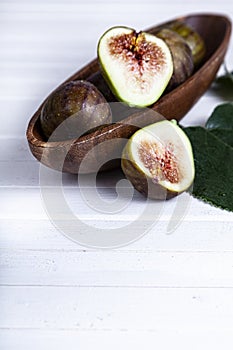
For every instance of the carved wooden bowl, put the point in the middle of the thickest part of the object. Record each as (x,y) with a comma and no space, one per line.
(102,147)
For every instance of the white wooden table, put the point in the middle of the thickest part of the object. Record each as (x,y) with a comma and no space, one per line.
(162,291)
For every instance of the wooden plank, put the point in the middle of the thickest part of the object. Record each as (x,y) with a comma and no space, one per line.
(17,150)
(189,236)
(12,206)
(191,338)
(156,269)
(155,309)
(58,6)
(116,268)
(196,226)
(26,172)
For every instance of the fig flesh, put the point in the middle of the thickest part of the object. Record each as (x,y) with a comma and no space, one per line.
(136,66)
(80,104)
(158,160)
(181,55)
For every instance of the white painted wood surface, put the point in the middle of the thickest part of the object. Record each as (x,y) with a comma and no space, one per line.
(164,290)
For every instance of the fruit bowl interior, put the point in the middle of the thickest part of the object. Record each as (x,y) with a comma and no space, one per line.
(67,155)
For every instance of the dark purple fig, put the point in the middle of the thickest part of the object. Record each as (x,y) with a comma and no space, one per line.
(181,54)
(74,109)
(192,38)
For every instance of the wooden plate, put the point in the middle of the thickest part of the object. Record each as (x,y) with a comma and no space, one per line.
(102,147)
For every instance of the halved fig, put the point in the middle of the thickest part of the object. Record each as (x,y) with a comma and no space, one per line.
(181,55)
(158,160)
(136,66)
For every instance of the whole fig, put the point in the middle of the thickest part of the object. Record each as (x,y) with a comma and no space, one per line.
(181,54)
(192,38)
(73,109)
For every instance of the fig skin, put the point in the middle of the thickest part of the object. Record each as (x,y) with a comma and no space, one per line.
(181,55)
(192,38)
(80,104)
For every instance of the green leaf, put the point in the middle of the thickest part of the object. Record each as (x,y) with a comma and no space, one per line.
(224,135)
(213,156)
(228,74)
(220,123)
(223,86)
(213,150)
(214,168)
(221,118)
(227,78)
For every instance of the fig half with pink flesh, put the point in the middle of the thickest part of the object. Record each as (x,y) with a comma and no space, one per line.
(136,66)
(158,160)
